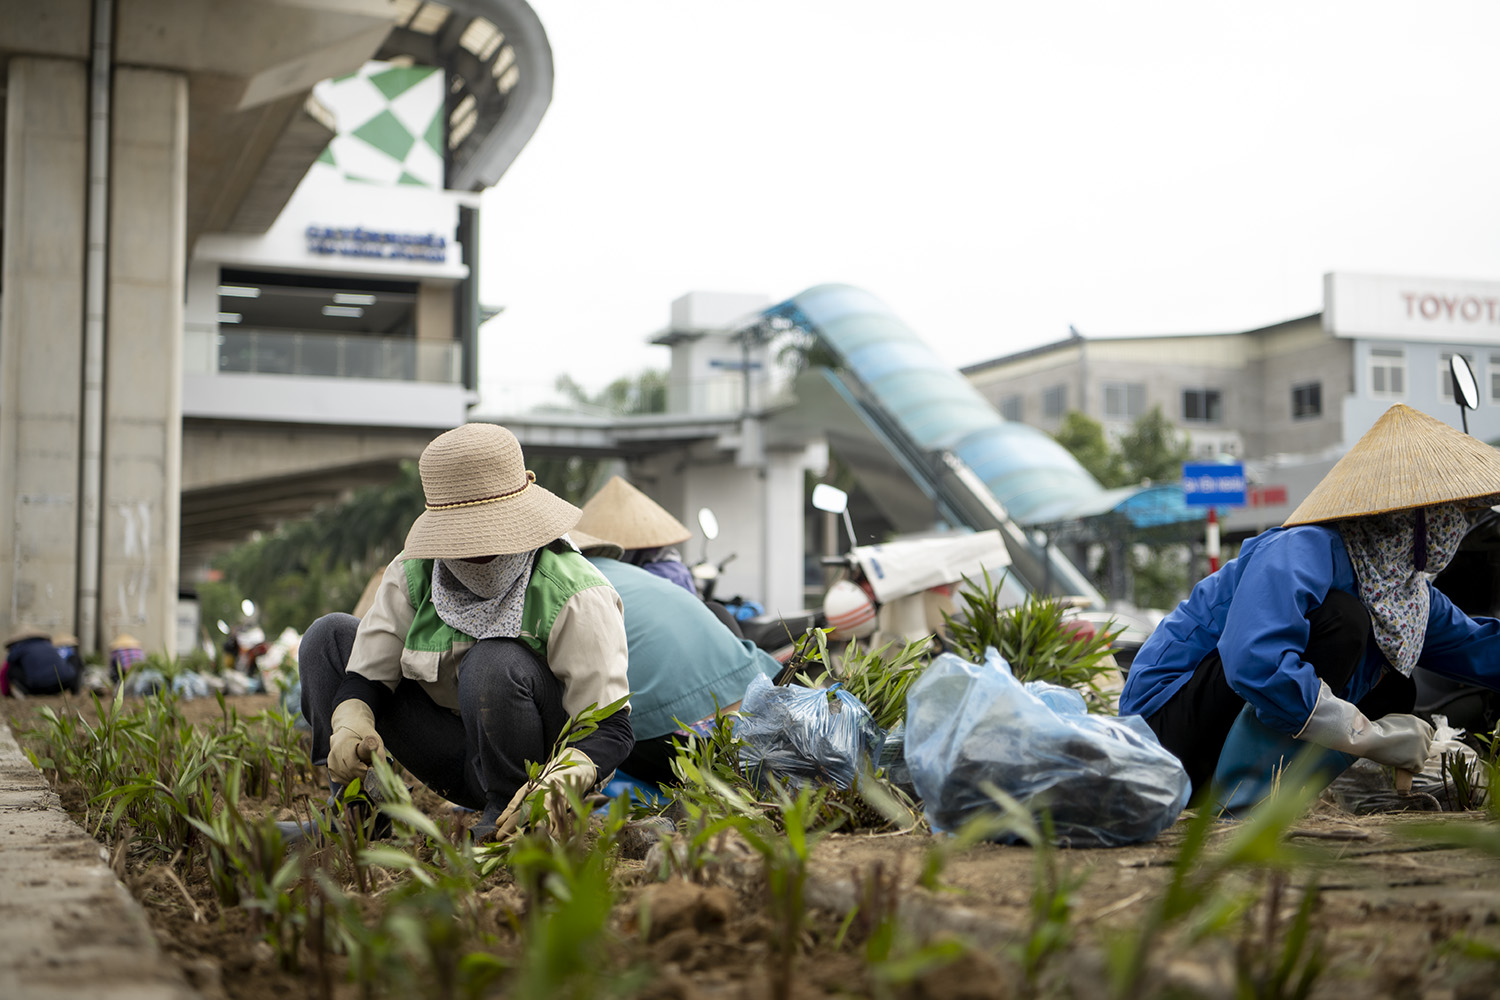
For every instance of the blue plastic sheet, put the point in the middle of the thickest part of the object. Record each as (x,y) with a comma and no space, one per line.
(1105,780)
(806,734)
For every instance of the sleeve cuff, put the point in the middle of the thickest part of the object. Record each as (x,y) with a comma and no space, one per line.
(361,688)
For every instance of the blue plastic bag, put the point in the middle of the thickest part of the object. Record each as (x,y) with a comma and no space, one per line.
(1105,780)
(806,734)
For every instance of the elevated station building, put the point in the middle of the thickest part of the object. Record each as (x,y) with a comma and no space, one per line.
(238,271)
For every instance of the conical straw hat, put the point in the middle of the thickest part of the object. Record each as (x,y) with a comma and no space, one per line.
(23,632)
(622,514)
(481,498)
(591,546)
(1406,460)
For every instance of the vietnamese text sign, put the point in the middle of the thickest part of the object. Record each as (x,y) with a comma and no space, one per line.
(1213,485)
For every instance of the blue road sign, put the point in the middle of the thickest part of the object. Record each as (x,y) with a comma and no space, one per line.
(1213,485)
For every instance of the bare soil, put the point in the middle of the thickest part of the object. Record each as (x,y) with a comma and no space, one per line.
(1398,917)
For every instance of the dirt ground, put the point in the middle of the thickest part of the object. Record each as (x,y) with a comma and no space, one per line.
(1399,917)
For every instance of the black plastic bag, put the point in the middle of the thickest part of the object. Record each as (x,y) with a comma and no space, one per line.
(805,734)
(1105,780)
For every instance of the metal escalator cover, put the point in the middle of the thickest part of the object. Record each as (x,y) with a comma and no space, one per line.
(1034,477)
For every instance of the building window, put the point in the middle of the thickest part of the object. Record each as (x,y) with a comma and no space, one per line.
(1010,408)
(1307,401)
(1054,401)
(1387,371)
(1202,406)
(1124,400)
(1495,378)
(1445,375)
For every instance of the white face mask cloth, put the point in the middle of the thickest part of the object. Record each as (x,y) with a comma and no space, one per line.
(483,600)
(1395,557)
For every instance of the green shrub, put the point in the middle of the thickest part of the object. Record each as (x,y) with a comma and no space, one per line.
(1035,637)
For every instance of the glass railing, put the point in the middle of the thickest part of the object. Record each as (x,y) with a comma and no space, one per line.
(332,355)
(714,396)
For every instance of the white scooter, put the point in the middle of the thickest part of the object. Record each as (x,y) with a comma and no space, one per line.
(898,591)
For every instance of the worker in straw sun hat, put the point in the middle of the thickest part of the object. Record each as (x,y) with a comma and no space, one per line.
(1310,635)
(641,527)
(485,634)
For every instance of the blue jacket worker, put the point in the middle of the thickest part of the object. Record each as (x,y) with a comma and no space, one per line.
(685,665)
(1317,624)
(34,666)
(485,634)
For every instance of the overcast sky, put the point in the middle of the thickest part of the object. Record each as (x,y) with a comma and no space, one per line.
(995,171)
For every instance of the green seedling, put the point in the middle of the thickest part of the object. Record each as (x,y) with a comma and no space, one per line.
(1194,899)
(1034,637)
(879,677)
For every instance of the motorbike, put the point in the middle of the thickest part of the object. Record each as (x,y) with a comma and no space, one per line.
(899,591)
(774,633)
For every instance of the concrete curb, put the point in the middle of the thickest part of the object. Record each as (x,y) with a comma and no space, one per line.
(68,928)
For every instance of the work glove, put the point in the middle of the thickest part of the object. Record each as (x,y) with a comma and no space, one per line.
(354,743)
(1398,740)
(570,769)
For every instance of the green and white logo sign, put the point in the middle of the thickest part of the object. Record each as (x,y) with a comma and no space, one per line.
(389,123)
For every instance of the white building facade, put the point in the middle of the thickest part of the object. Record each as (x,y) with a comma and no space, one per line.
(1287,399)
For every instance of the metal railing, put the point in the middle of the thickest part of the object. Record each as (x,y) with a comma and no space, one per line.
(333,355)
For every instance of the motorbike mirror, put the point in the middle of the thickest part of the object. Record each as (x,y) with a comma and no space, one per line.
(1465,389)
(708,523)
(830,499)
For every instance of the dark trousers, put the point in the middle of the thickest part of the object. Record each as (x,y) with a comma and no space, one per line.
(1195,721)
(510,712)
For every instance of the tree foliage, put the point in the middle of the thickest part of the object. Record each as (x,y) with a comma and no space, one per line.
(644,392)
(1151,450)
(1084,437)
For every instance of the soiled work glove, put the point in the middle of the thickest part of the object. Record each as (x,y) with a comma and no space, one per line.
(354,743)
(1398,740)
(570,769)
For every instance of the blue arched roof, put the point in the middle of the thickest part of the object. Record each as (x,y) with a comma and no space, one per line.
(1035,478)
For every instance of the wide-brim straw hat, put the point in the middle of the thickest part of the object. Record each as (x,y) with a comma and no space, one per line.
(1408,459)
(624,515)
(591,546)
(124,641)
(64,639)
(23,632)
(481,498)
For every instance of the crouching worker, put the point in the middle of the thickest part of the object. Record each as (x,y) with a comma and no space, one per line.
(685,665)
(1311,634)
(644,531)
(486,633)
(34,666)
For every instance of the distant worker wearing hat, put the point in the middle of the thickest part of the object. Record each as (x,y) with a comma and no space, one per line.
(33,665)
(685,665)
(124,652)
(1317,624)
(641,527)
(486,633)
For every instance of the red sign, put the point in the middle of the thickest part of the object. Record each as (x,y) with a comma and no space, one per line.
(1265,496)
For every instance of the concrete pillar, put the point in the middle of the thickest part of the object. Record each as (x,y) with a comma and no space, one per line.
(143,356)
(785,547)
(41,340)
(434,323)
